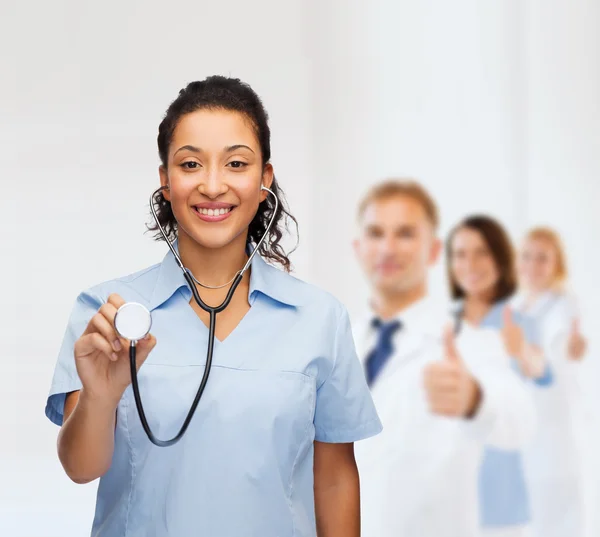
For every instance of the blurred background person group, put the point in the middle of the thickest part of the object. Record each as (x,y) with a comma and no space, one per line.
(478,391)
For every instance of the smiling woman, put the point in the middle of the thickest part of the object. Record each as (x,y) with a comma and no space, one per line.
(482,277)
(248,155)
(270,449)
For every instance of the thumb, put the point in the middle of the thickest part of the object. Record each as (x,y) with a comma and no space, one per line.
(575,325)
(450,352)
(144,347)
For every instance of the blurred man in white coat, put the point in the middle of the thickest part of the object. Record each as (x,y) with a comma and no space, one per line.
(442,391)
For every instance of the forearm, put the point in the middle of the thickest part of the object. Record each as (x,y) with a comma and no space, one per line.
(86,439)
(337,506)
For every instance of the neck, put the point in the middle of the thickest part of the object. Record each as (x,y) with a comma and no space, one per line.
(532,295)
(212,266)
(475,308)
(388,304)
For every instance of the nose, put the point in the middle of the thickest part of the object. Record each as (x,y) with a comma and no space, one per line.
(212,185)
(470,262)
(387,246)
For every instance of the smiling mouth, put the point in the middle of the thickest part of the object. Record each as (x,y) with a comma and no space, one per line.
(213,215)
(213,212)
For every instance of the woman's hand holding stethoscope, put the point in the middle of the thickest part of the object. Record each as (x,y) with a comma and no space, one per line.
(102,354)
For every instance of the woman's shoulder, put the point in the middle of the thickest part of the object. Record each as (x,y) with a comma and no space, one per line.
(311,295)
(310,299)
(563,307)
(136,286)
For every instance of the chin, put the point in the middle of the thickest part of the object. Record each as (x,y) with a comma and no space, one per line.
(474,291)
(394,286)
(211,239)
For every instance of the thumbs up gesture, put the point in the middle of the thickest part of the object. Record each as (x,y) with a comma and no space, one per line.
(514,339)
(577,344)
(450,388)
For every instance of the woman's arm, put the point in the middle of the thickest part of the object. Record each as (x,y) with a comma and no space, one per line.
(521,343)
(86,439)
(87,436)
(337,490)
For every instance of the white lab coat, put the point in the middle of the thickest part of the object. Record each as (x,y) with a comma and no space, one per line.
(419,476)
(555,460)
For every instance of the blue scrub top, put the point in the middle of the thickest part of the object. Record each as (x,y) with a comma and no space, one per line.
(286,376)
(503,492)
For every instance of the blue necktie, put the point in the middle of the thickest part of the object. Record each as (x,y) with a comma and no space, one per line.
(383,349)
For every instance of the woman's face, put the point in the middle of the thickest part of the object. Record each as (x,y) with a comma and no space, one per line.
(537,264)
(214,173)
(472,265)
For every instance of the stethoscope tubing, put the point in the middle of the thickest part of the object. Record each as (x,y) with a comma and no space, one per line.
(211,310)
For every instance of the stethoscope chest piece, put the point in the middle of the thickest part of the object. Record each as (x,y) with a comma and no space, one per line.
(133,321)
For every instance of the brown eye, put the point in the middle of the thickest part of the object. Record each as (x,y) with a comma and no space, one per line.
(190,165)
(237,164)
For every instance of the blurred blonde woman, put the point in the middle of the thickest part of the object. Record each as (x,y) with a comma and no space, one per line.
(554,463)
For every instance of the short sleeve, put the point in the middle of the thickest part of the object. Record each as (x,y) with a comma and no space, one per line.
(345,411)
(65,379)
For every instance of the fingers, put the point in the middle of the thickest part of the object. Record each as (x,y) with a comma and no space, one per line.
(147,343)
(115,300)
(444,397)
(144,347)
(507,316)
(449,407)
(448,388)
(440,374)
(575,326)
(94,342)
(103,322)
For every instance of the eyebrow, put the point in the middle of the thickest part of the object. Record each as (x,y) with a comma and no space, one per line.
(229,149)
(232,148)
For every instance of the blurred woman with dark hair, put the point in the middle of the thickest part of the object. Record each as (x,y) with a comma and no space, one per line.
(482,277)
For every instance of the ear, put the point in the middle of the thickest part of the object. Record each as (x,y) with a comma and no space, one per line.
(434,253)
(164,181)
(356,247)
(267,180)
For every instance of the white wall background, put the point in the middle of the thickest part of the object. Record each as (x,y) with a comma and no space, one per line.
(493,105)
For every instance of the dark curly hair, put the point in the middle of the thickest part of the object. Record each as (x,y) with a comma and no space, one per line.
(223,93)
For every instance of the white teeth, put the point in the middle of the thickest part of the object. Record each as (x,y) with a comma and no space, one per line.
(214,212)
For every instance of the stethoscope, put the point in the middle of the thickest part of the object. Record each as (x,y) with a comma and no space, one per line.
(133,322)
